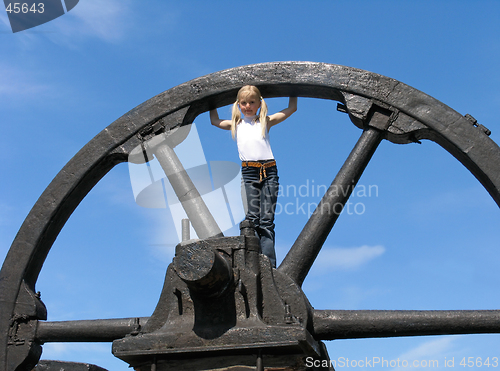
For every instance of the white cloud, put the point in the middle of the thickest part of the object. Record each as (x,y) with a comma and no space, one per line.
(428,353)
(60,351)
(5,20)
(347,258)
(92,19)
(16,82)
(107,22)
(87,353)
(56,350)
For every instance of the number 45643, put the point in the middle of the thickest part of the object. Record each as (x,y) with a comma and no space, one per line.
(25,8)
(479,362)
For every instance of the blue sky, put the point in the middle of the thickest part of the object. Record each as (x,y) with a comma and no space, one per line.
(424,238)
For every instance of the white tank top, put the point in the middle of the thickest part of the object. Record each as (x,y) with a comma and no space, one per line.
(251,145)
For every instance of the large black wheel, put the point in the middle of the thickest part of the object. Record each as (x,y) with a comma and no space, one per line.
(381,107)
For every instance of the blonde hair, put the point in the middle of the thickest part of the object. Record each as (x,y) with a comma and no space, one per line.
(244,92)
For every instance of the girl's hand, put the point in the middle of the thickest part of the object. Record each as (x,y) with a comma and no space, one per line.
(284,114)
(216,121)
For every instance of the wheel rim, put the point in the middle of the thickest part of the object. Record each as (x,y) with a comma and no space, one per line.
(417,116)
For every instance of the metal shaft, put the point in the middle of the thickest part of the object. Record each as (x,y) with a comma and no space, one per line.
(202,268)
(197,211)
(100,330)
(303,252)
(185,229)
(328,325)
(355,324)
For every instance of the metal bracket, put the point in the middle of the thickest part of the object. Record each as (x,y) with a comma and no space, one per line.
(474,123)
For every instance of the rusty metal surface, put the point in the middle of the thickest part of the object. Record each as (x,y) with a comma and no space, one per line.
(355,324)
(66,366)
(100,330)
(397,112)
(222,299)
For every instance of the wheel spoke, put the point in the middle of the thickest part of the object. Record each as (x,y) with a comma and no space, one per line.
(193,204)
(302,254)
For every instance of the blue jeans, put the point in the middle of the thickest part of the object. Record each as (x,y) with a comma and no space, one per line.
(260,200)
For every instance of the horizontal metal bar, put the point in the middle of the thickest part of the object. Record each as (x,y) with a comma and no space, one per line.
(328,325)
(99,330)
(354,324)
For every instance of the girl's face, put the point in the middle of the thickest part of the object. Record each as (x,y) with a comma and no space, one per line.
(249,105)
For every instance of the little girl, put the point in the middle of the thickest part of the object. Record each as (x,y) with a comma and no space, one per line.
(260,175)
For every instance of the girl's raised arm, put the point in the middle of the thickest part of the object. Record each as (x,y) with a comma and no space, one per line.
(284,114)
(216,121)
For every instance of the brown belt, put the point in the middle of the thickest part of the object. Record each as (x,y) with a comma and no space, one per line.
(262,166)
